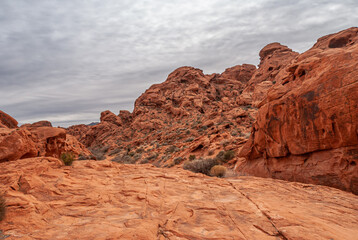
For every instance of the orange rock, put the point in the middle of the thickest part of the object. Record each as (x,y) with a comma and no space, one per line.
(273,57)
(38,124)
(108,116)
(306,129)
(105,200)
(33,140)
(7,121)
(177,112)
(16,144)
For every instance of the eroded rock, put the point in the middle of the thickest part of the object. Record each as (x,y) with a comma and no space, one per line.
(105,200)
(306,129)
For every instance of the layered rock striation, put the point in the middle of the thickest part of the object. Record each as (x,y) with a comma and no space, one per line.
(106,200)
(307,125)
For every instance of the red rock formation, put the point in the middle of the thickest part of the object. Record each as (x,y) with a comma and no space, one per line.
(191,111)
(105,200)
(7,121)
(16,144)
(306,128)
(273,58)
(32,140)
(307,110)
(38,124)
(108,116)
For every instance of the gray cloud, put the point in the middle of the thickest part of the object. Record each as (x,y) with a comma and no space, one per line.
(66,61)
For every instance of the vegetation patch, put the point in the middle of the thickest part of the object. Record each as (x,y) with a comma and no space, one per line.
(99,152)
(200,165)
(84,157)
(67,158)
(171,149)
(218,171)
(192,157)
(189,139)
(225,156)
(178,160)
(124,159)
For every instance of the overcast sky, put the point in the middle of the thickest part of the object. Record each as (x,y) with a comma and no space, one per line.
(68,60)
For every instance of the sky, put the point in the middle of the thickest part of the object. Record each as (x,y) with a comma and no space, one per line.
(66,61)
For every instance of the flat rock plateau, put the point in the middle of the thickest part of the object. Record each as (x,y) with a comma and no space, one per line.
(107,200)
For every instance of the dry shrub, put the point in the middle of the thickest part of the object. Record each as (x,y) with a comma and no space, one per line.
(231,173)
(2,208)
(225,156)
(67,158)
(192,157)
(178,160)
(99,152)
(126,159)
(218,171)
(85,157)
(200,165)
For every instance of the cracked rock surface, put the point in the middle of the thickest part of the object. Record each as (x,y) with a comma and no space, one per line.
(106,200)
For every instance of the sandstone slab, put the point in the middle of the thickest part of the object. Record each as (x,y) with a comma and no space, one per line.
(105,200)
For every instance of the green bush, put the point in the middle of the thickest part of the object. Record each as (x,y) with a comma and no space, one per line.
(67,158)
(225,156)
(218,171)
(192,157)
(2,208)
(171,149)
(228,155)
(200,165)
(178,160)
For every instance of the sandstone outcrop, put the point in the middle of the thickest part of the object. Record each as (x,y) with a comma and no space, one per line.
(43,123)
(190,112)
(105,200)
(307,125)
(33,140)
(16,144)
(7,121)
(273,58)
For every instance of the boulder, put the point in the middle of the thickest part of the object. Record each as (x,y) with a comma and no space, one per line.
(307,126)
(7,121)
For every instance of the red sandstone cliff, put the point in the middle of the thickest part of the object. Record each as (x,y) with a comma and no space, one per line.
(307,126)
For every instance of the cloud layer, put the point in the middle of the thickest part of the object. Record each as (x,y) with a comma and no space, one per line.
(66,61)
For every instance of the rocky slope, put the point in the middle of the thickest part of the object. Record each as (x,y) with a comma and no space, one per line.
(189,114)
(107,200)
(305,130)
(307,126)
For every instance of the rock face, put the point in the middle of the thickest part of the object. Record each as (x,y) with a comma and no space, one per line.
(190,113)
(307,126)
(106,200)
(38,124)
(273,58)
(34,140)
(16,144)
(7,121)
